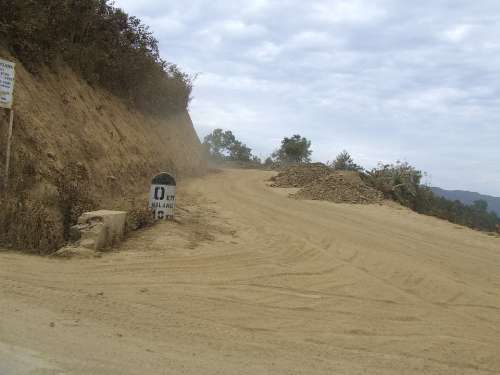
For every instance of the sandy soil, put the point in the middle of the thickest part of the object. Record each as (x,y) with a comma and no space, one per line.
(249,281)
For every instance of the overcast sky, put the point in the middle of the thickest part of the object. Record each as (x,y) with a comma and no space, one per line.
(387,80)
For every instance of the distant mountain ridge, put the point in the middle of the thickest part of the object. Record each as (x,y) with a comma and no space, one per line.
(468,197)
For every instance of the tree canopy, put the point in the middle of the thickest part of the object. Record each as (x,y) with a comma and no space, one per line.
(344,162)
(223,145)
(101,42)
(296,149)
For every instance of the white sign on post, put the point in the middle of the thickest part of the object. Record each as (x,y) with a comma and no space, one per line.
(162,196)
(7,76)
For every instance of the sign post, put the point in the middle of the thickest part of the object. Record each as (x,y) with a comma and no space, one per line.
(7,79)
(7,156)
(162,196)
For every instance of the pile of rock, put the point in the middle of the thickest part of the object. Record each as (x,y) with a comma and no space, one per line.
(300,175)
(341,187)
(320,182)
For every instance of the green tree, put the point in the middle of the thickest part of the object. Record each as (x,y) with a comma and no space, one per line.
(480,205)
(296,149)
(344,162)
(256,159)
(401,182)
(223,145)
(239,151)
(102,43)
(216,142)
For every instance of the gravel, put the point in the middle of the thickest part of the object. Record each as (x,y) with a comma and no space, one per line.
(320,182)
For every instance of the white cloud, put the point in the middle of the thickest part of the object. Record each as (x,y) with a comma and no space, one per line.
(239,29)
(264,52)
(310,39)
(346,11)
(430,100)
(385,79)
(165,25)
(458,33)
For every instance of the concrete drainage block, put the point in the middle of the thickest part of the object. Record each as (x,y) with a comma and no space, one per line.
(98,230)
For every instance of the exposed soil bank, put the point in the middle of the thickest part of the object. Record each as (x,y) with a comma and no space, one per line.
(61,121)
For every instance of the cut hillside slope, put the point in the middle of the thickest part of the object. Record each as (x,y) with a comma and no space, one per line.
(61,121)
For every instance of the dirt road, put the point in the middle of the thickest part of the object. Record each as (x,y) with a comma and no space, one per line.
(250,281)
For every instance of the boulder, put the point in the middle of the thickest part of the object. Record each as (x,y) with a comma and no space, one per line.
(100,229)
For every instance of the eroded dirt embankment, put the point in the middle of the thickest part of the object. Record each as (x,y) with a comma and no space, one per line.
(67,131)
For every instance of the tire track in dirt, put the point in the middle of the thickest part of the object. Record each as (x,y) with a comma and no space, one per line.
(249,281)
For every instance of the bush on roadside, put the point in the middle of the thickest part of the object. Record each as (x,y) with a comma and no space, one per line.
(30,222)
(475,216)
(138,215)
(399,182)
(402,183)
(74,196)
(29,225)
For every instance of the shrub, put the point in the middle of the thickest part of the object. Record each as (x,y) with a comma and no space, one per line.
(138,215)
(401,182)
(103,43)
(344,162)
(398,181)
(29,225)
(27,221)
(74,195)
(474,216)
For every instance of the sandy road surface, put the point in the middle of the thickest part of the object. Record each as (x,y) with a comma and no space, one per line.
(252,282)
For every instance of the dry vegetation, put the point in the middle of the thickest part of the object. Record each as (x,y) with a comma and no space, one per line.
(28,222)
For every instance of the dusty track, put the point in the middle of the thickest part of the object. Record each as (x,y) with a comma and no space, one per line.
(252,282)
